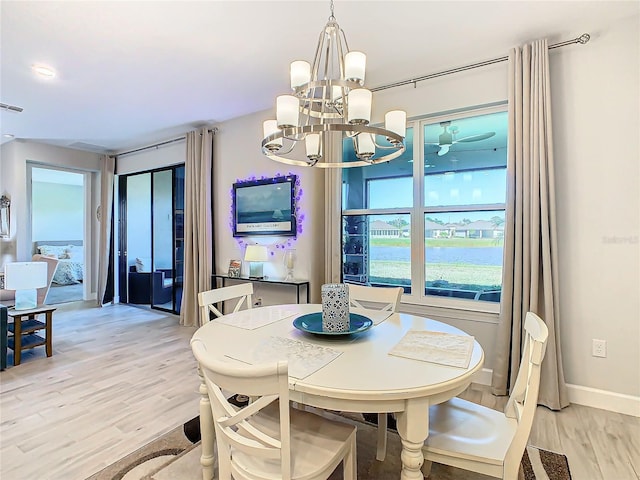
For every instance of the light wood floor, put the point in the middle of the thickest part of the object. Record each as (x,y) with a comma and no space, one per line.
(121,376)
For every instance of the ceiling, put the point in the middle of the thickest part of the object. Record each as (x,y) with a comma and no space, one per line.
(130,74)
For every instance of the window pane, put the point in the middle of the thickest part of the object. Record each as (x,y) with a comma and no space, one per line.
(463,253)
(472,143)
(390,192)
(377,250)
(472,187)
(374,186)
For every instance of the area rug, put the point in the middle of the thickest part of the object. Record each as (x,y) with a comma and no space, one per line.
(174,457)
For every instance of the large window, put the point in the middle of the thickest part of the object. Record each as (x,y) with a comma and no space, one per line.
(431,221)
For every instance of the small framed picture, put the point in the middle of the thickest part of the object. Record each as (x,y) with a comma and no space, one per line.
(234,268)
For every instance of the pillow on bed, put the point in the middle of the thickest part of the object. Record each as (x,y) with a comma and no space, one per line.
(57,251)
(74,253)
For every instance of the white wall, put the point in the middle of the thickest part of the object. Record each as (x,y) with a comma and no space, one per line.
(163,156)
(237,157)
(596,132)
(16,157)
(595,98)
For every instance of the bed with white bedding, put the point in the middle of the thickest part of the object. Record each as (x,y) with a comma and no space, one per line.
(70,254)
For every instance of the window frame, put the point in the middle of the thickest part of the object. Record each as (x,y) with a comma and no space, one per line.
(418,211)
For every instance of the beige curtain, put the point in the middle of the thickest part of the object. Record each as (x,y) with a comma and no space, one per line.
(531,252)
(107,173)
(198,243)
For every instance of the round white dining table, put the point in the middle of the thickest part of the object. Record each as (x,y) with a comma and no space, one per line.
(363,378)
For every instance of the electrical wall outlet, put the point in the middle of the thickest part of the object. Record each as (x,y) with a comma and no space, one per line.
(258,302)
(599,348)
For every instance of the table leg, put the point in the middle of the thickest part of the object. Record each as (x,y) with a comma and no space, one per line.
(207,433)
(49,332)
(413,428)
(17,340)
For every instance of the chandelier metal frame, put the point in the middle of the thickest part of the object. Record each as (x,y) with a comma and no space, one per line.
(324,106)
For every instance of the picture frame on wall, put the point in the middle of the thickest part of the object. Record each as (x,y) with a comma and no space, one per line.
(234,268)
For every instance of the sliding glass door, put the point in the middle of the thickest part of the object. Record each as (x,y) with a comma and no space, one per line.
(152,244)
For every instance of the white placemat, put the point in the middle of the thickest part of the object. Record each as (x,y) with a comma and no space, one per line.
(304,358)
(254,318)
(435,347)
(377,316)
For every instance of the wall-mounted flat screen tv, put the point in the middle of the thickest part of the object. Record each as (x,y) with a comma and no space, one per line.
(264,207)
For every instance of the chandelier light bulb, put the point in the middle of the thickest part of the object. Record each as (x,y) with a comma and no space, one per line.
(365,146)
(396,121)
(270,127)
(354,66)
(300,73)
(313,146)
(359,101)
(287,111)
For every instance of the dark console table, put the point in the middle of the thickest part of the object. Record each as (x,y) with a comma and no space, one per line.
(293,283)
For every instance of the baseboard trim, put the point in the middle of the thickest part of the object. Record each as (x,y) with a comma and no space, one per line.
(604,399)
(587,396)
(483,377)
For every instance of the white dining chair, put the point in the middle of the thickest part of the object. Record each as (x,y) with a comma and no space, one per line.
(380,298)
(207,300)
(466,435)
(385,299)
(267,439)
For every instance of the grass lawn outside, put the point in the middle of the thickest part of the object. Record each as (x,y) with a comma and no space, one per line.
(439,242)
(482,277)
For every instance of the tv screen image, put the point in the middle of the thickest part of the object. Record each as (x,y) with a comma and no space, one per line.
(264,207)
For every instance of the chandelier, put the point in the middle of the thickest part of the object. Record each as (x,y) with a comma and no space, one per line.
(328,102)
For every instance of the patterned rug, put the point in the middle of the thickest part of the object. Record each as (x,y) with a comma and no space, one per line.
(174,456)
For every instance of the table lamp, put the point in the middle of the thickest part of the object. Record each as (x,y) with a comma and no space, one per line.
(255,255)
(25,278)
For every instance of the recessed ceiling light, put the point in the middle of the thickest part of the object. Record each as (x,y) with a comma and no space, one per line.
(43,71)
(8,135)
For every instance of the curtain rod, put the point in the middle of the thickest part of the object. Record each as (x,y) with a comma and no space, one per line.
(156,145)
(582,39)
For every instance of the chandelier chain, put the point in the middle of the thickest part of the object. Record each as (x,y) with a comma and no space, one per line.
(331,17)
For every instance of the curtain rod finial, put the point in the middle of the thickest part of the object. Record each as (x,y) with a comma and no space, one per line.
(584,38)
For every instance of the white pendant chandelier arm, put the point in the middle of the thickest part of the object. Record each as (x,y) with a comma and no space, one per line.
(329,101)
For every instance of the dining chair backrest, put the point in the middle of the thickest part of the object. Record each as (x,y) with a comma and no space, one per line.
(523,400)
(207,300)
(474,437)
(265,384)
(385,298)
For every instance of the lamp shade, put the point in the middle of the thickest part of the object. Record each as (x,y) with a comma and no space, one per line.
(25,278)
(287,111)
(256,253)
(300,73)
(25,275)
(359,106)
(354,66)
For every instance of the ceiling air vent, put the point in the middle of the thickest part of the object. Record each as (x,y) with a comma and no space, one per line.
(11,108)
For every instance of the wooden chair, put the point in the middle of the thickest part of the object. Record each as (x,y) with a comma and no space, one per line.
(268,439)
(385,299)
(207,300)
(476,438)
